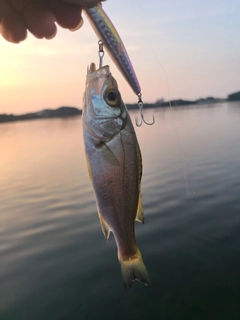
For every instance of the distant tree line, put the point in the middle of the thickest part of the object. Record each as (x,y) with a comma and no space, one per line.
(234,96)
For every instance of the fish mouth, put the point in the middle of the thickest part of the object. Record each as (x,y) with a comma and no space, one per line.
(102,78)
(92,69)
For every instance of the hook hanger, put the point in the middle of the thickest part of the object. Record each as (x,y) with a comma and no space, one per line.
(140,105)
(100,53)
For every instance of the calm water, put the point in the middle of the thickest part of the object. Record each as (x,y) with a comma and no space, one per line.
(54,260)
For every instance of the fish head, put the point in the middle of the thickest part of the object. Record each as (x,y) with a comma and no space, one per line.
(104,113)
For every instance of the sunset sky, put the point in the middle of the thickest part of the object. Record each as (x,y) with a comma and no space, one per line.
(192,45)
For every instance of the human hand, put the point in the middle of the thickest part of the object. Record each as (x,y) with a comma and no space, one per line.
(39,17)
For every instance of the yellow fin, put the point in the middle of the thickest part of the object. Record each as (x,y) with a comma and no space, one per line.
(133,269)
(140,211)
(105,228)
(89,169)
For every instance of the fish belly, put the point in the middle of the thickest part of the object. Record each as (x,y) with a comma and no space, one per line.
(115,170)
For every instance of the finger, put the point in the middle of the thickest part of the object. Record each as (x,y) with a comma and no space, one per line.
(39,19)
(12,25)
(68,15)
(84,3)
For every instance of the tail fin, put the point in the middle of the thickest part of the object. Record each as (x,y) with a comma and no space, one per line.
(133,269)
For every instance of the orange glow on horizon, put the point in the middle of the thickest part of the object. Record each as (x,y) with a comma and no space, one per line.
(177,54)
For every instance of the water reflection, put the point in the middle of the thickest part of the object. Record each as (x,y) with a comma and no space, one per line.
(55,262)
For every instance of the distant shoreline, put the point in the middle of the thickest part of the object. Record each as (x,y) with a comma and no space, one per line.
(44,114)
(63,112)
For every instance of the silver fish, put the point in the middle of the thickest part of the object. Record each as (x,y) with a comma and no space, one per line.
(115,168)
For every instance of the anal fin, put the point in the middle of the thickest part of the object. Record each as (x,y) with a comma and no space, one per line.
(140,211)
(105,228)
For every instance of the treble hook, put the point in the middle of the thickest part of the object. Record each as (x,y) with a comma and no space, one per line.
(140,105)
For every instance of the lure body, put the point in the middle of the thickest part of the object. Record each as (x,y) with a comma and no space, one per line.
(106,32)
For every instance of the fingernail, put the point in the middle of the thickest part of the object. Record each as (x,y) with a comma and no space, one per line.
(78,26)
(53,35)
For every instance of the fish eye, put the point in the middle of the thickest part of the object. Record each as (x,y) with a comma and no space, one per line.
(112,97)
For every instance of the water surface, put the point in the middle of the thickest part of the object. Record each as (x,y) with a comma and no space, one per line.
(55,262)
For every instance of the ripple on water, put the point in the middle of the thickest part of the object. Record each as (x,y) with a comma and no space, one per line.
(55,262)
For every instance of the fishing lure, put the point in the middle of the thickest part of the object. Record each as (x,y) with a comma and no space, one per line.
(109,37)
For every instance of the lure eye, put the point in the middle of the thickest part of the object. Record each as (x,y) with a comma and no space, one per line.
(112,97)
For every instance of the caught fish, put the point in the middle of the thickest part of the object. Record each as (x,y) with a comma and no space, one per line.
(115,168)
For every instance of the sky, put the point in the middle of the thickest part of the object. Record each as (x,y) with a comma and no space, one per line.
(185,49)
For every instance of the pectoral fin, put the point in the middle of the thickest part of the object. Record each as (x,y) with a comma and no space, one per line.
(107,155)
(140,211)
(105,228)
